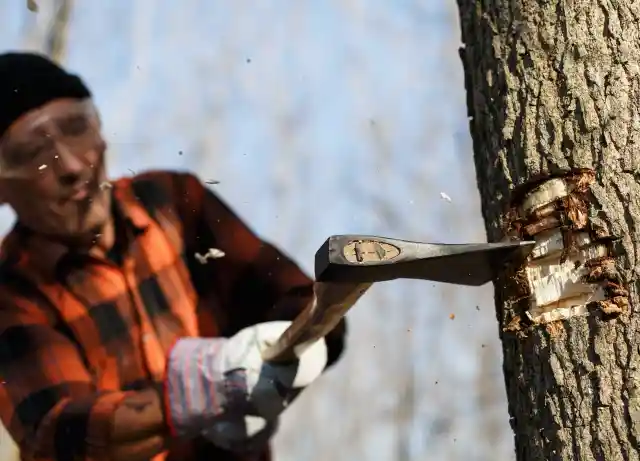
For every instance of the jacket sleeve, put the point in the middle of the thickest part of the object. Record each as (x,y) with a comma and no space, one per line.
(48,401)
(254,281)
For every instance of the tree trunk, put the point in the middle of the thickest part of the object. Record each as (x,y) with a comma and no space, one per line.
(553,100)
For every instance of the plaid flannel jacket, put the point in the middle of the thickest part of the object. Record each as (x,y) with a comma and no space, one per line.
(78,333)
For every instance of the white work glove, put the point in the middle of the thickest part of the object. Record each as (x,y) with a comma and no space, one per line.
(222,389)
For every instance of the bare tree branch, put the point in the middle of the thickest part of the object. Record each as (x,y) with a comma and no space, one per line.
(56,38)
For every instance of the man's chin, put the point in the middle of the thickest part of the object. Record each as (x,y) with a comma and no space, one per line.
(74,235)
(88,229)
(86,225)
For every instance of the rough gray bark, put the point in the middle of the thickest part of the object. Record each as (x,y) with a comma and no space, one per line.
(553,86)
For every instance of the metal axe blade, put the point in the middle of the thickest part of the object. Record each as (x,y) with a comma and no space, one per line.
(369,259)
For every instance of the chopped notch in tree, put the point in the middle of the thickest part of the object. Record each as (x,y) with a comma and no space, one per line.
(570,271)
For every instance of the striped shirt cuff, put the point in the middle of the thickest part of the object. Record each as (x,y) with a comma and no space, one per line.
(194,386)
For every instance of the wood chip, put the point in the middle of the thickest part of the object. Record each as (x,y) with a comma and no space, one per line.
(444,196)
(213,253)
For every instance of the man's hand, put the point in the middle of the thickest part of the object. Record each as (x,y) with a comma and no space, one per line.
(223,389)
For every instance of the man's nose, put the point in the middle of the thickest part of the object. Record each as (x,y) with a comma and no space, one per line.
(67,161)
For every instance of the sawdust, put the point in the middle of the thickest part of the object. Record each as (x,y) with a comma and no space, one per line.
(576,211)
(555,328)
(614,306)
(548,222)
(513,325)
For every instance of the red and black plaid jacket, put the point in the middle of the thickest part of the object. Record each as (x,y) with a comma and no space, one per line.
(78,333)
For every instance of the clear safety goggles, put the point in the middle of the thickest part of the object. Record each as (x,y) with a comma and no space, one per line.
(46,137)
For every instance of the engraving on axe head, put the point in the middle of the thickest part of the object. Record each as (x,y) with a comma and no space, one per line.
(370,259)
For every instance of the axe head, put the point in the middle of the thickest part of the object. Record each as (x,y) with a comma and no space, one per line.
(370,259)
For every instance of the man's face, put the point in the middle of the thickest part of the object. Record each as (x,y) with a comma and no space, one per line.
(52,170)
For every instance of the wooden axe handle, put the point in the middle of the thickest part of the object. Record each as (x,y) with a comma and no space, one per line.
(331,302)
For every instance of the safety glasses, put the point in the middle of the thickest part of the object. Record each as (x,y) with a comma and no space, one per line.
(48,136)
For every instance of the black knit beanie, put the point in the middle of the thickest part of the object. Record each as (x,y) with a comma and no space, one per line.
(28,81)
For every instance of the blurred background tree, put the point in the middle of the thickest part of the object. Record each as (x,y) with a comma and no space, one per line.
(316,118)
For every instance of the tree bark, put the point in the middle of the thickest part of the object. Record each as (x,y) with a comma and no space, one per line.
(553,92)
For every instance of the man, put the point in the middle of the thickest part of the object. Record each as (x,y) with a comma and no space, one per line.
(119,340)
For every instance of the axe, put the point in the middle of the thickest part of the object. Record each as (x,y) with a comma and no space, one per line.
(347,265)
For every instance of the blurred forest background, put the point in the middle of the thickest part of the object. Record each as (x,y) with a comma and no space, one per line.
(316,118)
